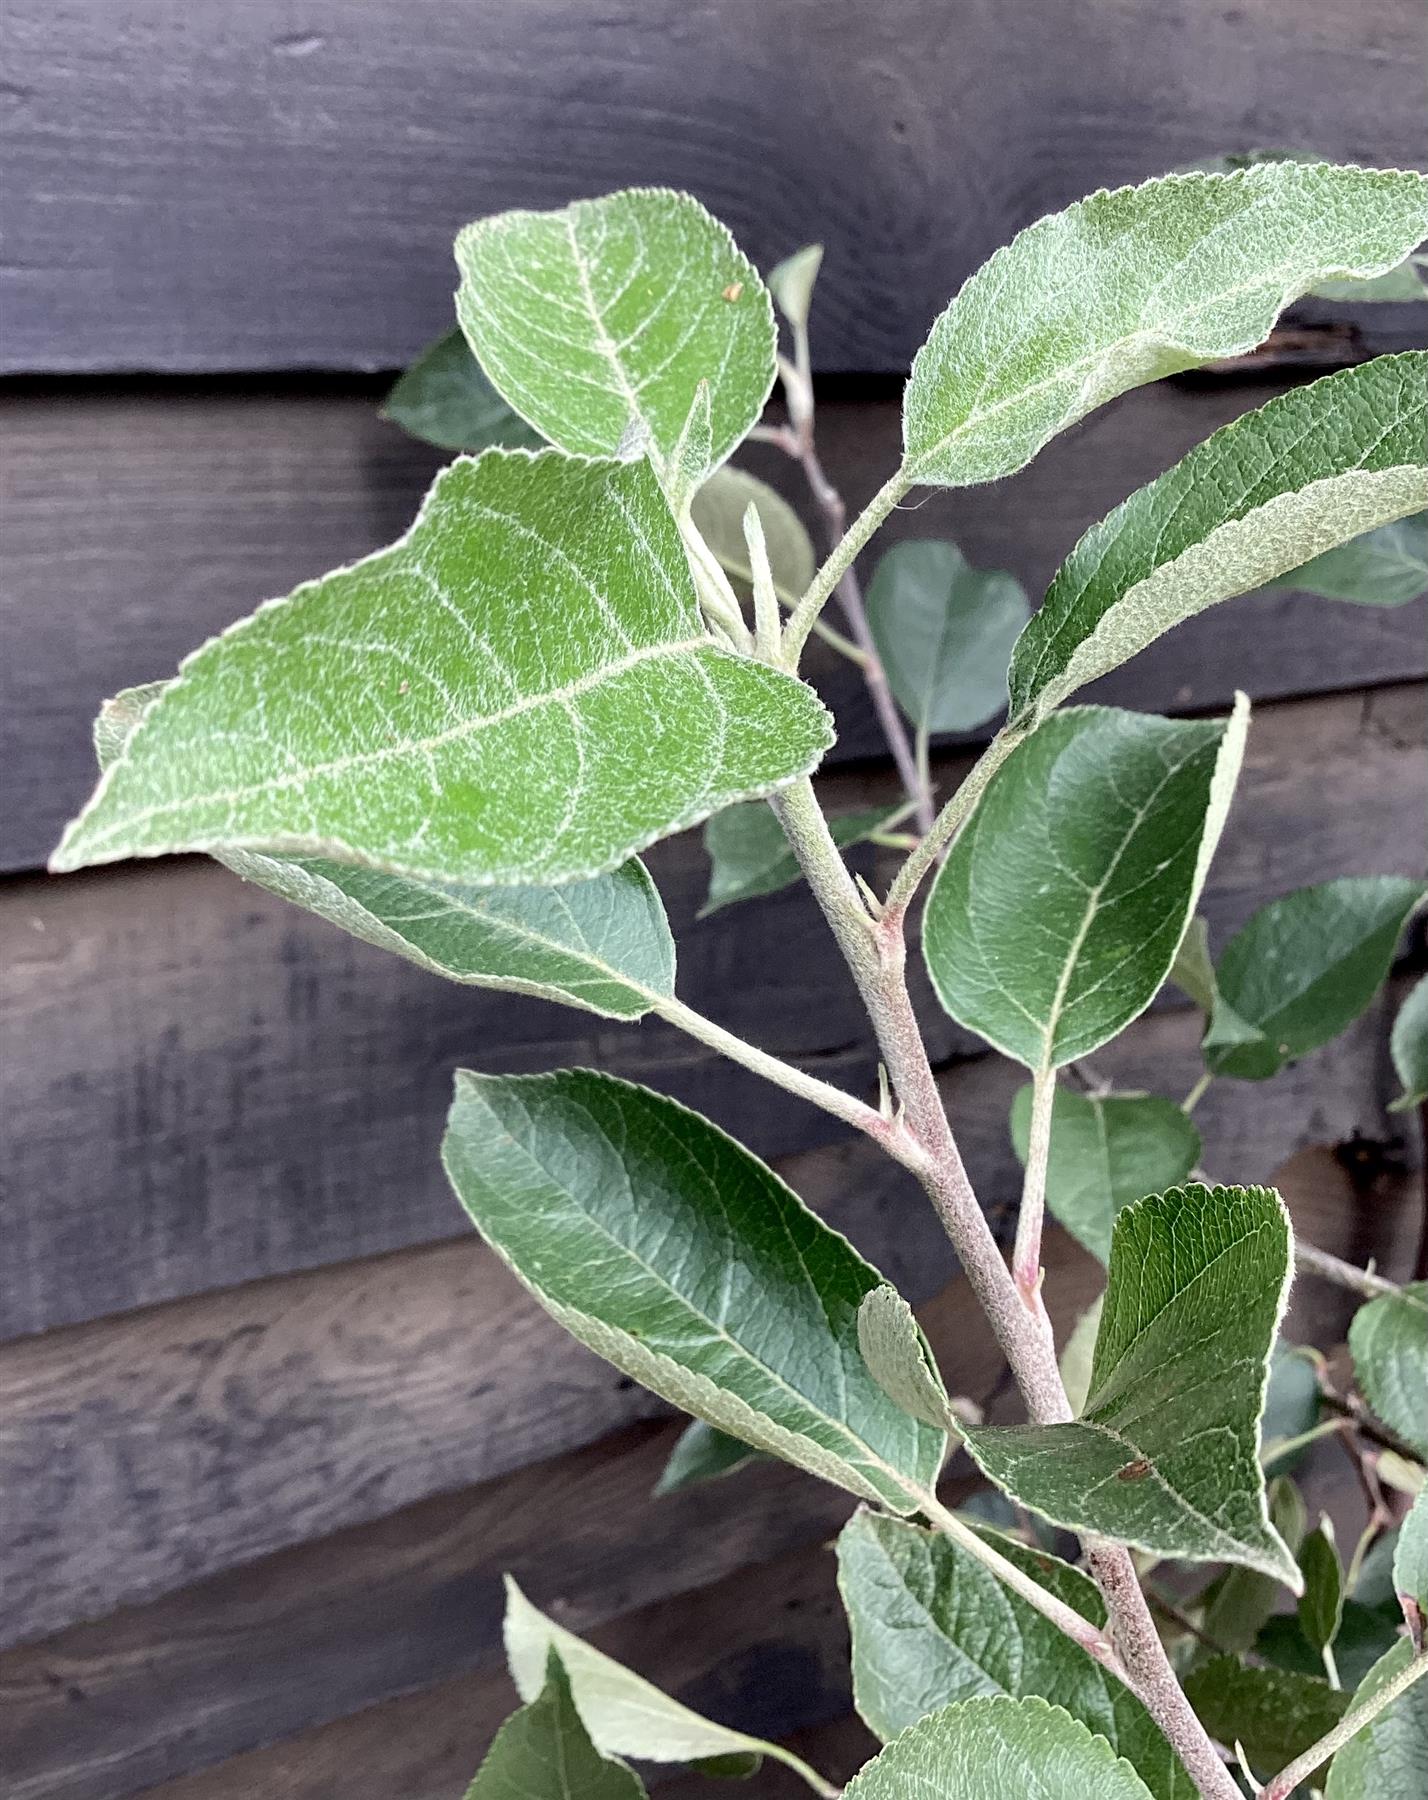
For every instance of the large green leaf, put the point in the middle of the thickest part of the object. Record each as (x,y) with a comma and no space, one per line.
(1058,914)
(603,944)
(471,705)
(944,632)
(1409,1046)
(1165,1453)
(597,322)
(1386,567)
(445,399)
(1386,1760)
(1312,469)
(719,508)
(1125,287)
(988,1749)
(671,1251)
(1305,967)
(1388,1339)
(702,1454)
(1275,1713)
(1106,1151)
(931,1625)
(543,1752)
(749,854)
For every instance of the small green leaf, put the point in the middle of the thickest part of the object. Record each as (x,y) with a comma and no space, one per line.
(692,459)
(1239,1601)
(1306,966)
(1321,1605)
(1165,1453)
(931,1625)
(791,284)
(624,1714)
(719,509)
(1388,1339)
(445,399)
(1125,287)
(1193,970)
(750,855)
(669,1250)
(944,632)
(1386,567)
(1311,470)
(465,706)
(1409,1047)
(1057,916)
(1078,1354)
(543,1752)
(1276,1714)
(1386,1760)
(1410,1558)
(1291,1404)
(899,1358)
(1400,284)
(1106,1151)
(602,318)
(990,1748)
(702,1454)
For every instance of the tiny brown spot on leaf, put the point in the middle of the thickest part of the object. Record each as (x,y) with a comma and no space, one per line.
(734,289)
(1136,1470)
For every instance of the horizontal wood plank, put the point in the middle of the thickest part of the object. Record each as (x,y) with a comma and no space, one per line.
(208,187)
(137,524)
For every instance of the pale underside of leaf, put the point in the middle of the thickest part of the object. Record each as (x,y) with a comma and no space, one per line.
(543,1752)
(899,1359)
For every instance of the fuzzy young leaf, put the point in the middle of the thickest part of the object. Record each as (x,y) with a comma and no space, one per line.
(749,854)
(1106,1151)
(1312,469)
(1275,1713)
(1165,1453)
(702,1454)
(944,632)
(1410,1557)
(602,944)
(899,1359)
(791,284)
(1388,1339)
(543,1752)
(1386,1760)
(602,318)
(668,1249)
(1125,287)
(1386,567)
(719,509)
(466,706)
(1305,967)
(1321,1605)
(445,399)
(931,1625)
(1058,914)
(988,1748)
(1409,1047)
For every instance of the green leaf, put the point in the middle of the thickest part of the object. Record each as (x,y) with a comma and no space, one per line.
(1058,914)
(1291,1404)
(602,944)
(445,399)
(1106,1151)
(1386,567)
(1399,284)
(1386,1760)
(791,284)
(1239,1601)
(1125,287)
(1321,1605)
(543,1752)
(1311,470)
(988,1749)
(931,1625)
(420,713)
(702,1454)
(1364,1635)
(750,854)
(899,1358)
(1306,966)
(1388,1340)
(669,1250)
(1193,970)
(719,509)
(1078,1354)
(1165,1453)
(1409,1047)
(1276,1714)
(1410,1558)
(624,1714)
(944,632)
(596,322)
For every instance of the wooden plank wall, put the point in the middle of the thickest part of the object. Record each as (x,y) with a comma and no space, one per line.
(272,1423)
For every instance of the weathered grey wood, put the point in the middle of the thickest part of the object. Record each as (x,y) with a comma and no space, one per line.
(196,186)
(137,524)
(217,1087)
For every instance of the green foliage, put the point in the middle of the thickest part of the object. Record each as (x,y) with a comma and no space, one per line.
(1386,1759)
(445,399)
(1386,567)
(749,854)
(791,283)
(1409,1046)
(719,509)
(1274,1713)
(1321,1605)
(1389,1341)
(543,1752)
(899,1360)
(702,1454)
(1410,1557)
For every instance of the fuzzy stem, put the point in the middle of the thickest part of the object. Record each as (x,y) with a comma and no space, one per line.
(1353,1721)
(1310,1261)
(841,559)
(1196,1094)
(950,821)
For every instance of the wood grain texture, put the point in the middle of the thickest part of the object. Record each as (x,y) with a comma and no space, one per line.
(137,524)
(271,186)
